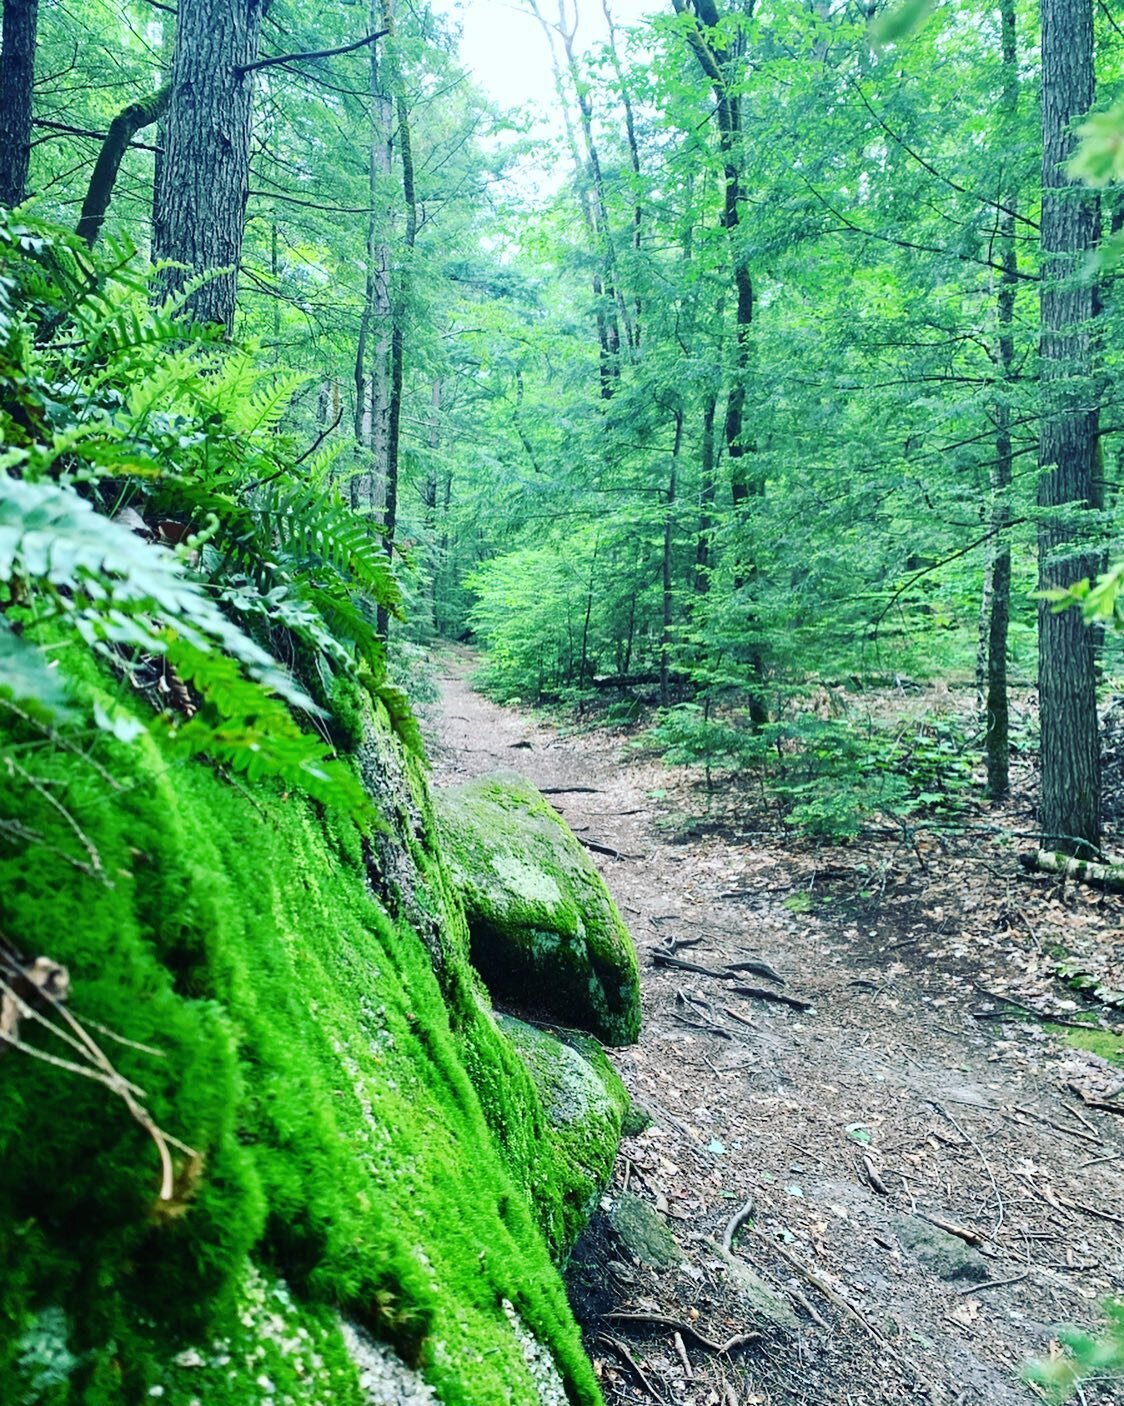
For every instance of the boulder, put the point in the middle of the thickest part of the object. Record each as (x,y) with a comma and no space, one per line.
(545,935)
(586,1105)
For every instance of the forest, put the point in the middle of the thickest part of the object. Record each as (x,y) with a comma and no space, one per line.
(742,419)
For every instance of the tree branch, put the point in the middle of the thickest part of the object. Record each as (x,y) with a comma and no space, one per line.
(244,68)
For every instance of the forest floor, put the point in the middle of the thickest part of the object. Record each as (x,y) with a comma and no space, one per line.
(905,1098)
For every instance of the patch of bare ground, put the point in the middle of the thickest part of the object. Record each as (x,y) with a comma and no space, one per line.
(929,1183)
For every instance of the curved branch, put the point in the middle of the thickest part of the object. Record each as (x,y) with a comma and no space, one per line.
(244,68)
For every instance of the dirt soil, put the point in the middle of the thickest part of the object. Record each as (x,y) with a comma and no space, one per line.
(903,1099)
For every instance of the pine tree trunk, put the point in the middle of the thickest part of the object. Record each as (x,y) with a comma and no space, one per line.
(204,175)
(17,78)
(1070,808)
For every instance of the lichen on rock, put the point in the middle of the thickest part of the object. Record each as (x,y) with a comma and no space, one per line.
(545,935)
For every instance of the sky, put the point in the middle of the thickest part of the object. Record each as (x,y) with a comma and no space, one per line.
(506,51)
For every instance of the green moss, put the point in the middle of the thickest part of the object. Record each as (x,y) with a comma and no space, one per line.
(345,1095)
(585,1103)
(1105,1043)
(545,934)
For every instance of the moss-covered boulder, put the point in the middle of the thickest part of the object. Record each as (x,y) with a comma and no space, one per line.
(546,937)
(586,1104)
(354,1147)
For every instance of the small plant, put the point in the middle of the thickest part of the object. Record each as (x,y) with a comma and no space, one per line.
(1084,1355)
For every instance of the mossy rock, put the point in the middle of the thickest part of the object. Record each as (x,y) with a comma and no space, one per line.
(643,1232)
(359,1146)
(586,1105)
(545,935)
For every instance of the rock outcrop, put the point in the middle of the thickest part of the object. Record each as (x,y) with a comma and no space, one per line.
(306,1164)
(545,935)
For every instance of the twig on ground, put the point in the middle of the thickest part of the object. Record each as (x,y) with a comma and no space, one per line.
(681,1353)
(994,1283)
(968,1138)
(659,1321)
(735,1223)
(633,1365)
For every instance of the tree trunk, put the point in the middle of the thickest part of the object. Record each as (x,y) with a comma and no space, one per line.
(17,78)
(668,542)
(204,174)
(124,127)
(1071,800)
(590,193)
(997,590)
(373,370)
(707,496)
(399,312)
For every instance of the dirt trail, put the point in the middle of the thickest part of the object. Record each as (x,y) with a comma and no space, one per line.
(847,1124)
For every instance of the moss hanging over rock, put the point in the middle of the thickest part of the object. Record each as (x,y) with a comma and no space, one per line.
(356,1143)
(546,936)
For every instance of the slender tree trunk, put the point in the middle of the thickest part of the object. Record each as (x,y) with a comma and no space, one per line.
(373,369)
(1071,799)
(17,80)
(204,176)
(399,313)
(666,573)
(997,593)
(590,195)
(632,324)
(124,127)
(708,492)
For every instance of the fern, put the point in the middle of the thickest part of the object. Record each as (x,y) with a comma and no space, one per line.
(320,527)
(255,735)
(116,587)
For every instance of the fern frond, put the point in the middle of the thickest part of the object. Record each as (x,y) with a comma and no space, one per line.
(51,535)
(320,527)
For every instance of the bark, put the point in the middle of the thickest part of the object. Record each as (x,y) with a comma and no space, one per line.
(124,127)
(1071,800)
(997,589)
(17,78)
(204,174)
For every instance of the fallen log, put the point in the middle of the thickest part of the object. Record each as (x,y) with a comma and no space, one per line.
(1109,877)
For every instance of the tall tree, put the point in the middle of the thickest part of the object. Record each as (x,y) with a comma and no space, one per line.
(17,78)
(997,577)
(1067,680)
(204,172)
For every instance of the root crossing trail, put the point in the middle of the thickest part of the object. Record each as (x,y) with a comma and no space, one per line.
(929,1199)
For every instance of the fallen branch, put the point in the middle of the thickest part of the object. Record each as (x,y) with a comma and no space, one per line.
(762,993)
(1103,1105)
(568,790)
(1027,1010)
(637,1371)
(757,968)
(657,1320)
(962,1232)
(598,848)
(1109,877)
